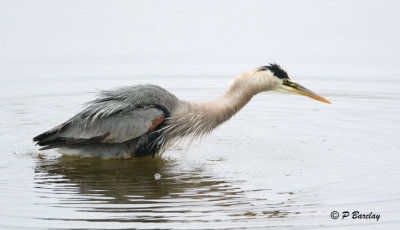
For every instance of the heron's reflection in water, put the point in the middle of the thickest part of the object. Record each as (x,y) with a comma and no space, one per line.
(120,179)
(129,186)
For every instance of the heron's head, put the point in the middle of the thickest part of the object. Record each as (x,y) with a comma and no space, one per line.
(280,81)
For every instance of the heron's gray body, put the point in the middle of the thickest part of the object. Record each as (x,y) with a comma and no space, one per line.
(126,123)
(143,120)
(118,124)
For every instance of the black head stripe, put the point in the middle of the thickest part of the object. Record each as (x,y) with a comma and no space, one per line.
(276,69)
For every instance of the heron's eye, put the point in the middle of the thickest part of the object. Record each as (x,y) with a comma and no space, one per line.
(289,83)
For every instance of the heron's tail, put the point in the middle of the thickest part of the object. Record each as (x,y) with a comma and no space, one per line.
(50,139)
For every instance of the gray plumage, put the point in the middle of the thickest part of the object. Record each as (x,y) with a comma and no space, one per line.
(144,120)
(115,125)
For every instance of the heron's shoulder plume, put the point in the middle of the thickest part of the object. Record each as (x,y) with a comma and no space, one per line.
(276,69)
(125,99)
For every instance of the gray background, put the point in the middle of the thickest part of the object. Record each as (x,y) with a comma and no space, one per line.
(108,38)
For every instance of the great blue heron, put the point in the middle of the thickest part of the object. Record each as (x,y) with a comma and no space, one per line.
(144,120)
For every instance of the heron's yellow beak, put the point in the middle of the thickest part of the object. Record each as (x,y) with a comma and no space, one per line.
(299,89)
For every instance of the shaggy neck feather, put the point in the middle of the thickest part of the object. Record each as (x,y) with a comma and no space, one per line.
(199,119)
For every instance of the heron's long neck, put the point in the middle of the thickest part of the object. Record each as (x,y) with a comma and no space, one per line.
(198,119)
(233,99)
(239,93)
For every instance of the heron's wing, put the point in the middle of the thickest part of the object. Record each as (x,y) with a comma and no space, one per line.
(115,128)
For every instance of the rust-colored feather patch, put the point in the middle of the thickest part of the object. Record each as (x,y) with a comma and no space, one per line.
(156,122)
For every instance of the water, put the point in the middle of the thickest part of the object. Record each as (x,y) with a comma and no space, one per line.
(284,161)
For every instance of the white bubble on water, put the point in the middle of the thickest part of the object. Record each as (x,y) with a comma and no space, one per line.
(157,176)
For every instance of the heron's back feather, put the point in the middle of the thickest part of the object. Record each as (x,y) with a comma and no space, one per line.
(130,114)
